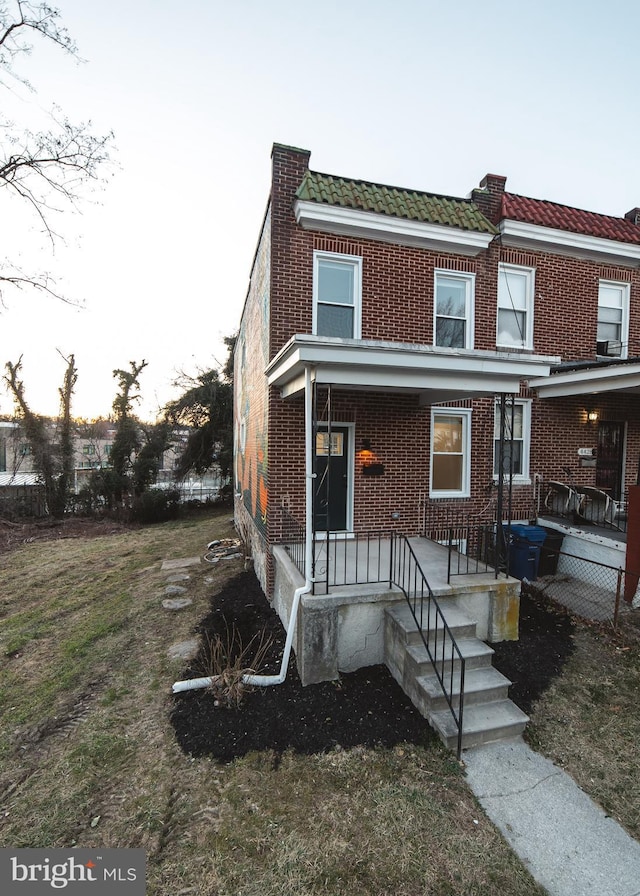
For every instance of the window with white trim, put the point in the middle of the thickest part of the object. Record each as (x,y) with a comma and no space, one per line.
(515,306)
(337,288)
(517,437)
(450,453)
(453,309)
(613,318)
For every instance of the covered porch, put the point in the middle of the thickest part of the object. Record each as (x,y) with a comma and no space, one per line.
(600,401)
(386,426)
(345,579)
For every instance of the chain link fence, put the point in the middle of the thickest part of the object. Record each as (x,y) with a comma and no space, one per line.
(586,587)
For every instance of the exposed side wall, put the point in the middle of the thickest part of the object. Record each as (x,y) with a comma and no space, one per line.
(291,284)
(251,442)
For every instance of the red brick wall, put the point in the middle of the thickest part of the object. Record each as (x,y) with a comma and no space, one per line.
(566,302)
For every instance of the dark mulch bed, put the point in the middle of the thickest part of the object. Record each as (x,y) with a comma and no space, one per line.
(544,646)
(365,708)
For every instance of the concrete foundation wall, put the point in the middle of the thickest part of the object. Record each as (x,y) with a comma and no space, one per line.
(593,548)
(256,545)
(494,606)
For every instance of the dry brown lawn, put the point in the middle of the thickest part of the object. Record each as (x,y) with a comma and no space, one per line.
(88,756)
(588,721)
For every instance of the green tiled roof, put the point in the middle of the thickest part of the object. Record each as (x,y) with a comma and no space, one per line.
(409,204)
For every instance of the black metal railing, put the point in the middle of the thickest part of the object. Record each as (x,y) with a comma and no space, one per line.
(477,550)
(476,544)
(444,653)
(355,559)
(360,558)
(293,539)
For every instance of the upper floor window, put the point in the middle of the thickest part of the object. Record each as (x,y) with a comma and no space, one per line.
(88,449)
(450,452)
(515,306)
(453,309)
(613,318)
(517,430)
(337,287)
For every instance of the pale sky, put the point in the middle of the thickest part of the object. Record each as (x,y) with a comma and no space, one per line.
(413,93)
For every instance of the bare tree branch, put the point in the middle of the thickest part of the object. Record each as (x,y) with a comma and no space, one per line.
(40,282)
(27,20)
(48,171)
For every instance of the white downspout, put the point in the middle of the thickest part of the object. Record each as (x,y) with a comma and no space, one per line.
(268,680)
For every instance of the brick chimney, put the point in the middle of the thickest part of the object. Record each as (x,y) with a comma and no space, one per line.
(488,196)
(633,216)
(288,168)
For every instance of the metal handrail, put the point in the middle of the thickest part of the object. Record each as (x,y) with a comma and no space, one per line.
(355,560)
(484,551)
(405,572)
(293,536)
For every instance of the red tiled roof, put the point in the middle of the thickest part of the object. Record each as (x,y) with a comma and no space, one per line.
(563,217)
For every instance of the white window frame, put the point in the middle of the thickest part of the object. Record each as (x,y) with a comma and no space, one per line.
(469,281)
(465,416)
(504,302)
(625,291)
(355,261)
(523,478)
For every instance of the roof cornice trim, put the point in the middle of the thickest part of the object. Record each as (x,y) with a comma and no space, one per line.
(388,229)
(533,236)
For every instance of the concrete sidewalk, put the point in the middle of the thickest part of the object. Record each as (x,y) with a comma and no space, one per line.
(567,842)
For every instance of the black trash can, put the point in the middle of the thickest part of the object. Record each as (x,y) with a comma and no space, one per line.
(548,565)
(525,543)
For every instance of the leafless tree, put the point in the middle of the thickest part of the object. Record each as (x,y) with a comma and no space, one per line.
(48,171)
(52,447)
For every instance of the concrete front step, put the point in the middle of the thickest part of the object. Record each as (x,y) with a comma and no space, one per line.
(488,713)
(484,685)
(475,653)
(402,618)
(482,723)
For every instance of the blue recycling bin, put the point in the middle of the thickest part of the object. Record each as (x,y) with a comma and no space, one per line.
(525,544)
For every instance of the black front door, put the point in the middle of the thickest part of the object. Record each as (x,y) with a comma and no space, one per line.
(609,458)
(332,480)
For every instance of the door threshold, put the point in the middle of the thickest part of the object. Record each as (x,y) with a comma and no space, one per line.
(334,536)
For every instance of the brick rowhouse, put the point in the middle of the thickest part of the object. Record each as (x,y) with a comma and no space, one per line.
(398,286)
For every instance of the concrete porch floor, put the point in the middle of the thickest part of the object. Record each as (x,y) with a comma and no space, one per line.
(365,561)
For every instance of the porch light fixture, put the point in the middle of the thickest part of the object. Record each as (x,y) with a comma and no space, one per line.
(592,416)
(365,447)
